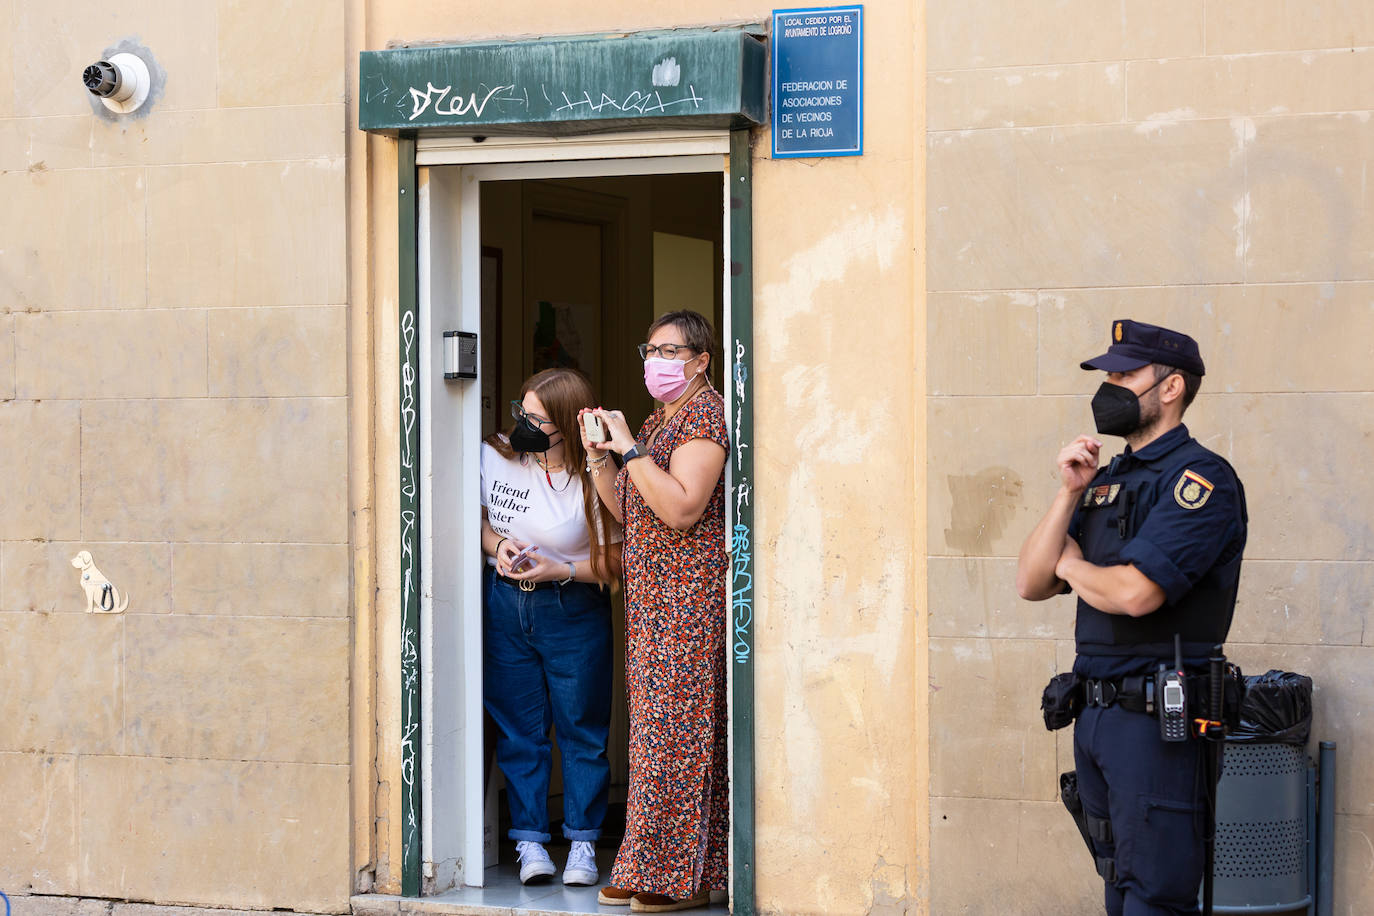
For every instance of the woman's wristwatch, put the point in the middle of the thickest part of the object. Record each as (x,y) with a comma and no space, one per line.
(631,453)
(572,573)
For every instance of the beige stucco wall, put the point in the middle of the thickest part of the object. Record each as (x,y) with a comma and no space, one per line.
(841,804)
(173,379)
(1195,164)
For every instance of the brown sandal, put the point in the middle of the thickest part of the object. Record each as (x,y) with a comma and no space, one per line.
(662,903)
(610,895)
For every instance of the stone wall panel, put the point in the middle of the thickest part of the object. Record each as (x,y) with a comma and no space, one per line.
(216,470)
(1005,33)
(126,354)
(1044,208)
(976,597)
(1241,26)
(271,580)
(238,688)
(221,135)
(986,852)
(1304,504)
(41,465)
(7,92)
(1026,96)
(977,196)
(1250,85)
(72,240)
(996,684)
(986,343)
(295,352)
(1310,208)
(169,830)
(6,357)
(294,60)
(991,469)
(1354,859)
(246,234)
(61,687)
(44,144)
(38,847)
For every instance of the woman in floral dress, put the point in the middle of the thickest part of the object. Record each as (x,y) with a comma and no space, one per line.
(672,506)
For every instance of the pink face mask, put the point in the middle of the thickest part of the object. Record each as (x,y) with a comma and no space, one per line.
(666,379)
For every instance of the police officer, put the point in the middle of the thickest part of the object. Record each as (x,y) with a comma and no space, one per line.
(1152,546)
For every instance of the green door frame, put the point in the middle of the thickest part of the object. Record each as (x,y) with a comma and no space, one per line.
(725,87)
(740,391)
(407,179)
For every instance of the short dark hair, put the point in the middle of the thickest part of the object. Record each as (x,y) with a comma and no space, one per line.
(696,332)
(1191,381)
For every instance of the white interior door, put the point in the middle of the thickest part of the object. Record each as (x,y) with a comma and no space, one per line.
(452,835)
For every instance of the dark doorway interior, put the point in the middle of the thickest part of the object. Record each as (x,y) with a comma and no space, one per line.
(574,271)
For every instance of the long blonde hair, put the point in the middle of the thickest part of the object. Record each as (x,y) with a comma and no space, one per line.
(564,392)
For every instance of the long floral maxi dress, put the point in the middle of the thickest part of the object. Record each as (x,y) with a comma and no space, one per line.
(677,815)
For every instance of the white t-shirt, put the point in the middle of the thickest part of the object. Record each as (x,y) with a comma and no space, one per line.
(520,504)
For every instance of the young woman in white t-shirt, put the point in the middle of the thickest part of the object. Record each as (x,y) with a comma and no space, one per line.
(546,621)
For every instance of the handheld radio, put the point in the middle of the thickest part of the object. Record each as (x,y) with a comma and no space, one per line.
(1171,698)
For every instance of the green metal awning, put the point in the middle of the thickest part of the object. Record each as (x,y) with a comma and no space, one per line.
(678,78)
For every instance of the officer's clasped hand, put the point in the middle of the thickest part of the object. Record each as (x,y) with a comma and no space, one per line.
(1077,463)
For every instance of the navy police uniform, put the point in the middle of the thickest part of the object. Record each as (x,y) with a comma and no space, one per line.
(1176,511)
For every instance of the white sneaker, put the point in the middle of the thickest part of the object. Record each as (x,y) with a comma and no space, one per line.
(534,861)
(581,867)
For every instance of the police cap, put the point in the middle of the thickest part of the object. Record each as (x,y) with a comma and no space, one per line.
(1136,344)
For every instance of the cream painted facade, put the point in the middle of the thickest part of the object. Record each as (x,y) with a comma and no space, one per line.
(199,385)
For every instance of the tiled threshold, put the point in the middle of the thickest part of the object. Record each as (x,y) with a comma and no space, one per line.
(504,895)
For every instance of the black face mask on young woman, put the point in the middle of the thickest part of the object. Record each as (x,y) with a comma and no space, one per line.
(1116,409)
(526,437)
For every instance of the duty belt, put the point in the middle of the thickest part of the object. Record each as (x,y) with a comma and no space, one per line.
(1133,694)
(1137,692)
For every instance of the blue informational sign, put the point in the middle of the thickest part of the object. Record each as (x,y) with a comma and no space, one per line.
(818,65)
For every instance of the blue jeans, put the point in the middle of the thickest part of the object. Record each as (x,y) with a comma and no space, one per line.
(547,660)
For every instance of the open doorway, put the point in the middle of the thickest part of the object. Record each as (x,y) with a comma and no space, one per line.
(574,271)
(573,268)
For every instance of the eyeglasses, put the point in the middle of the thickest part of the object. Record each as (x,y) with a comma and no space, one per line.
(667,351)
(518,412)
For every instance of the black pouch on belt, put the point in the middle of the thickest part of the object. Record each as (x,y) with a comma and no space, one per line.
(1062,700)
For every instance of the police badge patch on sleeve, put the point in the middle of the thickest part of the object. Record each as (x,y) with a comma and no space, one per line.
(1192,490)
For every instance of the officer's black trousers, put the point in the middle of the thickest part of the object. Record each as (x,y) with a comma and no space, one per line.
(1152,792)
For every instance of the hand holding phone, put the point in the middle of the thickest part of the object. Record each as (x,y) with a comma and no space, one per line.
(522,559)
(596,430)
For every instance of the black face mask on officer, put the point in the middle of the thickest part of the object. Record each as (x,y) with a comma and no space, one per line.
(1116,408)
(526,437)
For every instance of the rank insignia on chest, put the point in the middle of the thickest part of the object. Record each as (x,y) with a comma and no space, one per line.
(1192,490)
(1103,495)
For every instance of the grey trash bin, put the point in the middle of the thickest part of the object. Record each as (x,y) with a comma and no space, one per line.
(1266,830)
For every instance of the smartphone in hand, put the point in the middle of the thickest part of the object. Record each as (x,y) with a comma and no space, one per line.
(522,559)
(596,430)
